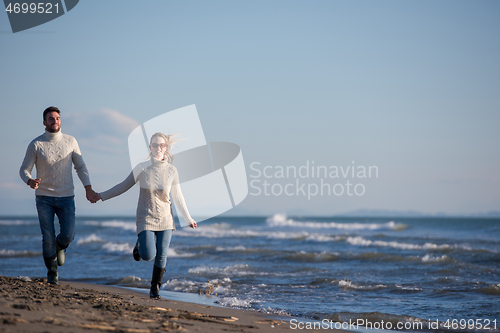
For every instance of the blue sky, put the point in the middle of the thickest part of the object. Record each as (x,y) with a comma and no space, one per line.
(408,86)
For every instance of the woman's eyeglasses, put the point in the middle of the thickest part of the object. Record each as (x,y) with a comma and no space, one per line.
(156,145)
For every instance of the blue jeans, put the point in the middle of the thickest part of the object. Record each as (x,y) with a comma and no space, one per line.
(149,249)
(64,208)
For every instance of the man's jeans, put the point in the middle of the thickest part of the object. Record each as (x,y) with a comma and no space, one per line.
(64,208)
(150,249)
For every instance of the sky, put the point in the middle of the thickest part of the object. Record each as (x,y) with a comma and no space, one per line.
(409,88)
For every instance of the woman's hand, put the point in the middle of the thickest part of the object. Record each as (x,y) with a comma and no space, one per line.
(193,224)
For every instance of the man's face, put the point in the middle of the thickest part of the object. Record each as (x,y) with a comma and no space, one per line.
(52,122)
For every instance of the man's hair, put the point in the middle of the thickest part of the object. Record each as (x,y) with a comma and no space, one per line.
(50,109)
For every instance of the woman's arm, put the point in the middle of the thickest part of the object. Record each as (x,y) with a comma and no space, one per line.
(179,200)
(118,189)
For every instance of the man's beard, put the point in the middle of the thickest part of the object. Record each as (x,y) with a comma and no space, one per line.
(49,129)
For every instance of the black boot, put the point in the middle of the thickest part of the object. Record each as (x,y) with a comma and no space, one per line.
(156,282)
(135,252)
(52,275)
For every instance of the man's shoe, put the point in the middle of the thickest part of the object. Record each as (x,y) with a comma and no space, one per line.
(135,252)
(61,256)
(52,275)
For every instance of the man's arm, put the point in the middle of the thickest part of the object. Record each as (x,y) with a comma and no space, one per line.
(27,166)
(83,173)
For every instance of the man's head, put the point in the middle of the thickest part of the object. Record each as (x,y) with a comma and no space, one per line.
(52,119)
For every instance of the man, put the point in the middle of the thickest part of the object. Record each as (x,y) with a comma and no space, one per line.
(54,153)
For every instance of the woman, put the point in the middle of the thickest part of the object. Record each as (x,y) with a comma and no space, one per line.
(157,178)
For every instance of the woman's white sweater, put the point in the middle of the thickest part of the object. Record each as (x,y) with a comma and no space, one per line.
(157,179)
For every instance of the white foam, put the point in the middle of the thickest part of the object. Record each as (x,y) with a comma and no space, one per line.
(239,270)
(323,237)
(429,259)
(408,288)
(176,285)
(118,247)
(130,279)
(119,224)
(92,238)
(172,253)
(234,302)
(208,232)
(231,249)
(18,222)
(350,285)
(280,220)
(14,253)
(215,286)
(404,246)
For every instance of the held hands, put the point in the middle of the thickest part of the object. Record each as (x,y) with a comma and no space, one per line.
(92,196)
(193,224)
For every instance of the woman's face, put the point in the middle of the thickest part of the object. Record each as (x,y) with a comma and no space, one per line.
(158,147)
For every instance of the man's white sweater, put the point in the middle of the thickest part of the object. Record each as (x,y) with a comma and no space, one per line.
(53,154)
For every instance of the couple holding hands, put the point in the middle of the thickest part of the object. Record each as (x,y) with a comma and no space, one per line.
(54,153)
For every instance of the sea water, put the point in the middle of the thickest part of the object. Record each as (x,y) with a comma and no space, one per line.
(408,270)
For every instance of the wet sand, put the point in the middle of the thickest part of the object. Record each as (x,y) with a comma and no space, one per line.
(35,306)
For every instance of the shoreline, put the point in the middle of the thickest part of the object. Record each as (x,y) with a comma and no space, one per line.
(32,305)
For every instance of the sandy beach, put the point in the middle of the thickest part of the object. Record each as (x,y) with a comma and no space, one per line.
(32,305)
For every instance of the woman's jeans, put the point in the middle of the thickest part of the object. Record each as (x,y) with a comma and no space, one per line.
(64,208)
(149,249)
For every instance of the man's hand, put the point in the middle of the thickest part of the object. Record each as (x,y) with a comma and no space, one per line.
(33,183)
(193,224)
(92,196)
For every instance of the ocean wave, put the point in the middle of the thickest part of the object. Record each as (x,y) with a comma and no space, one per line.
(214,287)
(172,253)
(313,257)
(92,238)
(240,248)
(228,270)
(133,281)
(13,253)
(209,232)
(403,246)
(180,285)
(18,222)
(430,259)
(113,224)
(347,284)
(324,238)
(280,220)
(234,302)
(118,247)
(233,271)
(493,289)
(407,288)
(379,256)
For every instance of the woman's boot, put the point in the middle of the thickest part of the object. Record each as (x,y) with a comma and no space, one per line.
(52,275)
(156,282)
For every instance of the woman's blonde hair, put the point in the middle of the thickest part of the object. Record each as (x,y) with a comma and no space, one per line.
(169,141)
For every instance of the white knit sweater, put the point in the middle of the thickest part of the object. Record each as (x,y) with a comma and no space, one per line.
(157,179)
(53,154)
